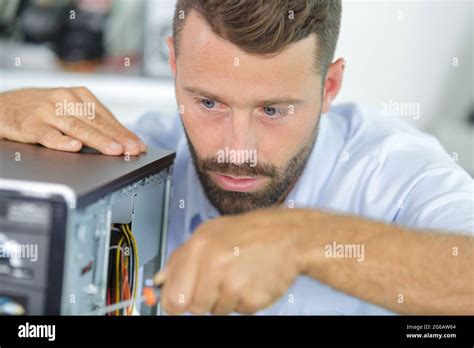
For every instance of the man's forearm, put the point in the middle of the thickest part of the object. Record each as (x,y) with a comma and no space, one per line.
(406,271)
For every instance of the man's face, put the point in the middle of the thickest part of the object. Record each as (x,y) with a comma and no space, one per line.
(251,120)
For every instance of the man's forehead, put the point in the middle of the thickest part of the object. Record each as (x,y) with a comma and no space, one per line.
(206,56)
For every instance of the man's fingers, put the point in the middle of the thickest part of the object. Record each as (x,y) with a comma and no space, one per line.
(227,303)
(159,278)
(75,112)
(230,293)
(130,145)
(86,134)
(125,135)
(54,139)
(87,96)
(177,291)
(71,115)
(206,291)
(110,125)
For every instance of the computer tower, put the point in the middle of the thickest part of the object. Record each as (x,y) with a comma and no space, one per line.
(57,210)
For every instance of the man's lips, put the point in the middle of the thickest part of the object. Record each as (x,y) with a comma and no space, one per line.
(237,183)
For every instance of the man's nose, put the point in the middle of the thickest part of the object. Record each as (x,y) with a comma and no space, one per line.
(241,134)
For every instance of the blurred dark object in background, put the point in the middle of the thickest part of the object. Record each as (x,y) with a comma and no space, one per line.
(80,44)
(87,35)
(39,24)
(74,28)
(9,10)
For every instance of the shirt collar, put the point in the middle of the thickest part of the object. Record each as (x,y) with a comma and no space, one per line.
(200,209)
(317,170)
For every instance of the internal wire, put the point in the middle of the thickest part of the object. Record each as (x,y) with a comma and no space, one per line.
(112,271)
(127,234)
(155,294)
(123,276)
(117,270)
(126,290)
(135,263)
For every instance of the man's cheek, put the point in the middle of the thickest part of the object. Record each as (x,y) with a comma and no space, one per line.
(277,155)
(202,138)
(208,144)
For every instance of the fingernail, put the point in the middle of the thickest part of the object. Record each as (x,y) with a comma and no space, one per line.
(115,146)
(74,143)
(131,144)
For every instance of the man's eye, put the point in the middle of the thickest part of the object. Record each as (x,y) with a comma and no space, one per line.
(208,103)
(270,111)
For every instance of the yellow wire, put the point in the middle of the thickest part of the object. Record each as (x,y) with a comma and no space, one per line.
(117,269)
(135,252)
(131,239)
(126,234)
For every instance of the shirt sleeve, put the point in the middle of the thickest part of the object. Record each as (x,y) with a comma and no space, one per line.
(436,193)
(158,130)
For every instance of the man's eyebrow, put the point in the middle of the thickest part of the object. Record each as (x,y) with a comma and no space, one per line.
(289,101)
(272,101)
(204,93)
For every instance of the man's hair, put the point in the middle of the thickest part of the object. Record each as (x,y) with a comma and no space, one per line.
(266,27)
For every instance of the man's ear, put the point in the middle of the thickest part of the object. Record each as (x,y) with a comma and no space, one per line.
(333,83)
(172,56)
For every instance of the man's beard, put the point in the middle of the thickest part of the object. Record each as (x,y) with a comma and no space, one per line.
(273,192)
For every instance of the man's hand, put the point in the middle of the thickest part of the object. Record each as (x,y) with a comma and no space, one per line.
(234,263)
(245,263)
(56,118)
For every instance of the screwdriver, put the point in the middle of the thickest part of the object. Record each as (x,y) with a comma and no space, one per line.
(151,296)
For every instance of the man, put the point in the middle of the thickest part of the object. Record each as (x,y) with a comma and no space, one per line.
(341,213)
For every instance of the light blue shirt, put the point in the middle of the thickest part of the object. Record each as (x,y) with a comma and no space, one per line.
(365,164)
